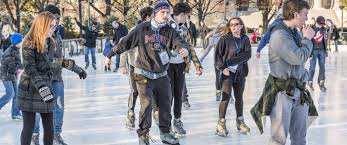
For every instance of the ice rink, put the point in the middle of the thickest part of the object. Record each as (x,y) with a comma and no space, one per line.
(96,108)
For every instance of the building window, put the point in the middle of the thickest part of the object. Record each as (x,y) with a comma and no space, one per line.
(327,4)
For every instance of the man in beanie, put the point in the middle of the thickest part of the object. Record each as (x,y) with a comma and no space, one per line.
(155,40)
(320,47)
(57,83)
(119,31)
(10,68)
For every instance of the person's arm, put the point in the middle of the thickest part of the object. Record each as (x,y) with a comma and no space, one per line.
(126,43)
(265,40)
(218,58)
(123,60)
(29,63)
(9,61)
(243,56)
(70,64)
(284,45)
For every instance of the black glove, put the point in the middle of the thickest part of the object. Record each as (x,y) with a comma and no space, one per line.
(82,74)
(46,94)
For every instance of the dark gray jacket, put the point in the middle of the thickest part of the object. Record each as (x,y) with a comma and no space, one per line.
(38,72)
(10,63)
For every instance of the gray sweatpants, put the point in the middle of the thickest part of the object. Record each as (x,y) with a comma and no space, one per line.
(288,115)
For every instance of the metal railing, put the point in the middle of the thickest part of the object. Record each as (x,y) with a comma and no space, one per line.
(73,47)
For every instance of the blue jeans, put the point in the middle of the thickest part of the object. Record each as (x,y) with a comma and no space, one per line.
(10,93)
(86,55)
(117,60)
(58,112)
(320,55)
(336,43)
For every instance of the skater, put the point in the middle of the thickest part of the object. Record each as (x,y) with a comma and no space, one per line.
(232,53)
(57,82)
(178,65)
(335,37)
(130,58)
(34,90)
(10,68)
(320,48)
(119,31)
(107,48)
(213,38)
(155,40)
(90,36)
(285,98)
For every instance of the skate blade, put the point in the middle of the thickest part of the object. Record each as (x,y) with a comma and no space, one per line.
(221,135)
(165,142)
(177,135)
(245,132)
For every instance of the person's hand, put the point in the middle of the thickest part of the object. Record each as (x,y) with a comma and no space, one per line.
(107,61)
(82,74)
(226,72)
(199,71)
(123,70)
(257,55)
(308,33)
(183,52)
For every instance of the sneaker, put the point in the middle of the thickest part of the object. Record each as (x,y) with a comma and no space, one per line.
(241,125)
(130,122)
(310,85)
(156,117)
(322,86)
(186,105)
(218,95)
(87,65)
(178,128)
(94,66)
(58,140)
(17,118)
(115,69)
(169,138)
(35,139)
(221,129)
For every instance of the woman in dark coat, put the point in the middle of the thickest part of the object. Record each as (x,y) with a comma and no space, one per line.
(34,89)
(232,53)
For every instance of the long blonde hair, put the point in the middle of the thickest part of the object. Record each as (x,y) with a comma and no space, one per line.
(227,30)
(37,34)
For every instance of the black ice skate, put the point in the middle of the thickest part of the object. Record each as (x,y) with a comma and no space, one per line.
(221,129)
(35,139)
(241,125)
(58,140)
(130,122)
(144,139)
(178,128)
(169,138)
(322,86)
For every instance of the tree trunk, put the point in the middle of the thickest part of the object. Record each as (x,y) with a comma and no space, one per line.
(265,14)
(80,14)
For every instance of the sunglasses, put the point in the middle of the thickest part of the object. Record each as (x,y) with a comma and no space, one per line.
(234,25)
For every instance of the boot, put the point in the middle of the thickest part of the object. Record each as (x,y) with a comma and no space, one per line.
(221,129)
(130,122)
(144,139)
(322,86)
(35,139)
(310,85)
(109,68)
(156,117)
(178,127)
(218,95)
(105,68)
(241,125)
(58,140)
(186,105)
(87,65)
(169,138)
(94,66)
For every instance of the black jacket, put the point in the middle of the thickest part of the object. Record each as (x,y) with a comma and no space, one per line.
(10,63)
(118,33)
(89,35)
(144,37)
(232,51)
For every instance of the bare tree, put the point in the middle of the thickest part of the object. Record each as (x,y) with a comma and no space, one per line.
(268,10)
(204,8)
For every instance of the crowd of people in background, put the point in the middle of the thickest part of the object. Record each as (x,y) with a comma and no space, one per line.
(156,54)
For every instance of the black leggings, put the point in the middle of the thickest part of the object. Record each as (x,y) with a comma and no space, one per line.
(238,88)
(29,124)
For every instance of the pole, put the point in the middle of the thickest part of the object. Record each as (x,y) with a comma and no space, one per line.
(18,16)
